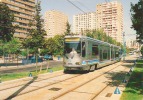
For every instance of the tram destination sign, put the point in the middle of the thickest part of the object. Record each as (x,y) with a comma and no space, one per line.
(72,39)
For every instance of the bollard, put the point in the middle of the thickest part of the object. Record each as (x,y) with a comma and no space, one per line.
(30,74)
(58,57)
(131,70)
(135,63)
(117,91)
(128,73)
(124,81)
(51,70)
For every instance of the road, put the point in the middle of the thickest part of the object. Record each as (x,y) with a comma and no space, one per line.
(29,67)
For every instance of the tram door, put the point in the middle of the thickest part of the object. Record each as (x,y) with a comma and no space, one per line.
(83,48)
(95,52)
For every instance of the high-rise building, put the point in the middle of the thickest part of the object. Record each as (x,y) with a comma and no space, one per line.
(83,22)
(24,11)
(109,17)
(55,23)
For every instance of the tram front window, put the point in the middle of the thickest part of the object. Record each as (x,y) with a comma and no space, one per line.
(69,46)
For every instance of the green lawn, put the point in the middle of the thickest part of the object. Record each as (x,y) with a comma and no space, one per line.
(134,88)
(12,76)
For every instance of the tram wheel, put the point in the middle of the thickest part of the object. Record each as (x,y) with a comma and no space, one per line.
(92,68)
(96,66)
(66,71)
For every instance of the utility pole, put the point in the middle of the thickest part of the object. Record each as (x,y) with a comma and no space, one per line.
(124,46)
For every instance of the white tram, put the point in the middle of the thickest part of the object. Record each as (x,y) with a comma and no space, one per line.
(85,53)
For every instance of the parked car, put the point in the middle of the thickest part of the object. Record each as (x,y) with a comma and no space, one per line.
(48,57)
(33,59)
(131,53)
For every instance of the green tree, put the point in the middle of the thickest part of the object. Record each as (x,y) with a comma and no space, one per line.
(50,45)
(89,33)
(7,29)
(141,50)
(101,35)
(137,19)
(35,39)
(11,48)
(54,45)
(59,40)
(68,29)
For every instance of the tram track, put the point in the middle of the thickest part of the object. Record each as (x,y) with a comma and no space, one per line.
(78,86)
(96,94)
(37,88)
(41,79)
(58,95)
(59,82)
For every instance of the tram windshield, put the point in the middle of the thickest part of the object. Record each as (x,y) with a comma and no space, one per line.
(69,46)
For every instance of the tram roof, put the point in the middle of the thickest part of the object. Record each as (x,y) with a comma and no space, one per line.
(89,38)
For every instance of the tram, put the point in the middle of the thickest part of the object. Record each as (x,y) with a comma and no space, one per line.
(85,53)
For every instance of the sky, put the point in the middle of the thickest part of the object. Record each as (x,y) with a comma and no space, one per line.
(89,6)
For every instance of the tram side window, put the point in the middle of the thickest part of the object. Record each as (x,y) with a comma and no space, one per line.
(117,54)
(105,55)
(83,49)
(95,51)
(101,55)
(113,53)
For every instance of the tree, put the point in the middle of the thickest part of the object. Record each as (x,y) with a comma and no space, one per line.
(50,45)
(101,35)
(35,39)
(59,43)
(141,50)
(11,48)
(55,45)
(15,44)
(68,29)
(7,29)
(137,19)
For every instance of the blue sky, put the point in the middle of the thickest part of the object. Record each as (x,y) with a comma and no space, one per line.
(88,6)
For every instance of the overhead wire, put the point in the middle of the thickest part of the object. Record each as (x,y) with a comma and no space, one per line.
(107,1)
(83,5)
(76,6)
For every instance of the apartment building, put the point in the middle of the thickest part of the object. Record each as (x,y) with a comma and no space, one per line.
(55,23)
(109,17)
(24,11)
(84,22)
(130,43)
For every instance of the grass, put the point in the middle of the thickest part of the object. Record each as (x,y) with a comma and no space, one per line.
(134,88)
(12,76)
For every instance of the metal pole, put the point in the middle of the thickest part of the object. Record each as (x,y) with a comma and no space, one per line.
(27,56)
(124,46)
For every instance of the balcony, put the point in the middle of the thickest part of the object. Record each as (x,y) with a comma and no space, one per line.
(12,3)
(20,35)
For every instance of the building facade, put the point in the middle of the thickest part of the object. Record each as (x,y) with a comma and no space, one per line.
(109,17)
(24,11)
(132,44)
(84,22)
(55,23)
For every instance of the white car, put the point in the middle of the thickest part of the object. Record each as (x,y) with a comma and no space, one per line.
(131,53)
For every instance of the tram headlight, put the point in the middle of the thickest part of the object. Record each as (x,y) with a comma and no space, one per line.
(84,62)
(77,63)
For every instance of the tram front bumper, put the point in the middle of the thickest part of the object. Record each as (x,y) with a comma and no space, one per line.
(76,67)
